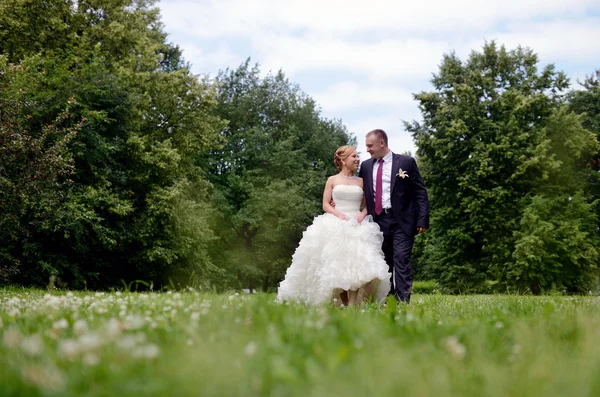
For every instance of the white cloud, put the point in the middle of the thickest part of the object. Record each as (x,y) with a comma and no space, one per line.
(354,57)
(207,61)
(556,40)
(220,18)
(347,95)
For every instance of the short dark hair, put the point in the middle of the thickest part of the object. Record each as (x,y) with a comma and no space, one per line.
(380,134)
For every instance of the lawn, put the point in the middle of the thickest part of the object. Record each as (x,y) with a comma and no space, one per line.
(195,344)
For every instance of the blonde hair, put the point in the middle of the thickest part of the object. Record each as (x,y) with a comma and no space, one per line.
(341,154)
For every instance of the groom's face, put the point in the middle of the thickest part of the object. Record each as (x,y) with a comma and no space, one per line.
(375,147)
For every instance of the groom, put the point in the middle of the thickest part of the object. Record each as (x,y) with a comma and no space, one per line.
(397,200)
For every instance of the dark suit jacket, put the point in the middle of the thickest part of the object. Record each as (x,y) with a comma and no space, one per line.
(410,204)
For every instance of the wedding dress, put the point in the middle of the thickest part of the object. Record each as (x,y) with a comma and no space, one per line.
(336,255)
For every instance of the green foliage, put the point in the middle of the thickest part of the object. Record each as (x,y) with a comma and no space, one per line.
(57,343)
(586,102)
(136,207)
(276,153)
(498,153)
(36,165)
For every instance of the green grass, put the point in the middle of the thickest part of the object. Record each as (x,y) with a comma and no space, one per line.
(194,344)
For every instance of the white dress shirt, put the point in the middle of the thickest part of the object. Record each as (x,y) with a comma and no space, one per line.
(386,179)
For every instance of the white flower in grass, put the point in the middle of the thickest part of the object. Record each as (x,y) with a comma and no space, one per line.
(12,337)
(195,316)
(47,378)
(89,342)
(250,349)
(32,345)
(455,348)
(68,348)
(13,312)
(133,322)
(149,352)
(127,342)
(69,294)
(80,327)
(113,328)
(60,324)
(91,359)
(499,324)
(190,342)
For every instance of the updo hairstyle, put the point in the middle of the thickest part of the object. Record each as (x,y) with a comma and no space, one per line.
(341,154)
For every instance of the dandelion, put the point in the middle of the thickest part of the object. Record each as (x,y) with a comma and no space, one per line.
(250,349)
(499,324)
(455,348)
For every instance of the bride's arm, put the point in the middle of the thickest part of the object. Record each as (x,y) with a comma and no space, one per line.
(327,194)
(364,212)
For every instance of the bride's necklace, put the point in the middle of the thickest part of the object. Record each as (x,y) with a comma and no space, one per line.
(349,177)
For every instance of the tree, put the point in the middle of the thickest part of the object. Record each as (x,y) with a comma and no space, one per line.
(34,169)
(491,155)
(268,174)
(137,205)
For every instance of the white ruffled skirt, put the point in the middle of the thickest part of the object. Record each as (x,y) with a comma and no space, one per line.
(334,256)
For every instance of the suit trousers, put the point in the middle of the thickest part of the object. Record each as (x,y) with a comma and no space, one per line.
(397,248)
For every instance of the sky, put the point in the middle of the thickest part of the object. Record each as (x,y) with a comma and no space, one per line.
(363,60)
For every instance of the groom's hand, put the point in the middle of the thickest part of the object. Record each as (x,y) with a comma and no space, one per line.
(421,229)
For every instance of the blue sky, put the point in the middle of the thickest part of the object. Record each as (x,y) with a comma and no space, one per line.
(362,60)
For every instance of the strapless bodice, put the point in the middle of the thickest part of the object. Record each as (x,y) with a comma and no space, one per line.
(347,198)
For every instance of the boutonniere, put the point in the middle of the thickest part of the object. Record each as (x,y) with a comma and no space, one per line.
(402,174)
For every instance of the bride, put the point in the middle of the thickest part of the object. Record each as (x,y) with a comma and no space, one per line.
(339,258)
